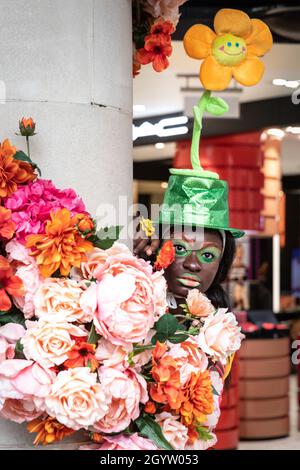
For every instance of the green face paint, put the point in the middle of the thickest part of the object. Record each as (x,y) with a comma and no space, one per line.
(205,254)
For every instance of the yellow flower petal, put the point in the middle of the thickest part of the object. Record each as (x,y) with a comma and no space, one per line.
(260,39)
(197,41)
(213,75)
(249,72)
(231,21)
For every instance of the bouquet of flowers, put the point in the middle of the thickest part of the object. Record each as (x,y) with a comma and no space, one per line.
(86,340)
(154,21)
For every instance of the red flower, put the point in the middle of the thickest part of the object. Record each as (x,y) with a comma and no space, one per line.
(9,284)
(82,355)
(7,226)
(165,257)
(162,27)
(156,50)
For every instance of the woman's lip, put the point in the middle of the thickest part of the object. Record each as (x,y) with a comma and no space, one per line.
(189,281)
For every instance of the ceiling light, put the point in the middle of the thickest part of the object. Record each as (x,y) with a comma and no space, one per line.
(139,108)
(279,81)
(292,83)
(276,132)
(293,129)
(159,146)
(164,185)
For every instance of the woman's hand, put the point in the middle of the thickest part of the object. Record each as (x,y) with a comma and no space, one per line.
(145,247)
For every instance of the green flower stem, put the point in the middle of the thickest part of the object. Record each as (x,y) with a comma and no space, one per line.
(27,142)
(198,115)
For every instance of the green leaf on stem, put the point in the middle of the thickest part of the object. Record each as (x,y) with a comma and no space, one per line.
(19,351)
(93,335)
(12,316)
(106,237)
(152,430)
(20,155)
(216,106)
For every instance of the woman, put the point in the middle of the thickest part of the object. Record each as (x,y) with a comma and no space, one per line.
(202,261)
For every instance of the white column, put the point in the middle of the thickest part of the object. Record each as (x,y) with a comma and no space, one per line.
(68,65)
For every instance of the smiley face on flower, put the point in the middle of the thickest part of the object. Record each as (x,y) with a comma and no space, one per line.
(231,51)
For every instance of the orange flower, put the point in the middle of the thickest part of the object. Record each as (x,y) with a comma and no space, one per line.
(84,223)
(27,126)
(12,171)
(150,408)
(48,430)
(9,284)
(156,50)
(7,226)
(61,247)
(198,399)
(231,51)
(166,256)
(82,355)
(162,27)
(166,374)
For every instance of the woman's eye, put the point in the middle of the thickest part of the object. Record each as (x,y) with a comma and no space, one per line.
(180,250)
(207,257)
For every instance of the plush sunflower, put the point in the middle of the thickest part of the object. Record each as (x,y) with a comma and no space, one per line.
(232,50)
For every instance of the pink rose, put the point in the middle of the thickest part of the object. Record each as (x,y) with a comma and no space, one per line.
(198,304)
(9,336)
(22,379)
(160,294)
(19,410)
(211,420)
(168,9)
(126,300)
(220,335)
(189,358)
(121,442)
(96,259)
(112,355)
(61,297)
(28,271)
(48,341)
(76,399)
(125,391)
(173,430)
(144,357)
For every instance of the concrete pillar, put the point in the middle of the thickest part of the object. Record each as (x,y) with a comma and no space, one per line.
(68,65)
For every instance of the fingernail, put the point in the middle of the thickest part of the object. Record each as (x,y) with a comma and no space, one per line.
(149,252)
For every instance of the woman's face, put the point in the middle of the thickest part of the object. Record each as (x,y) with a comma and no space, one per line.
(197,259)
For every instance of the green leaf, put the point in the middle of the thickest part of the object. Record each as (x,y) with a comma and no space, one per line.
(167,324)
(178,338)
(19,350)
(204,434)
(166,328)
(216,106)
(20,155)
(93,336)
(152,430)
(13,316)
(140,349)
(106,237)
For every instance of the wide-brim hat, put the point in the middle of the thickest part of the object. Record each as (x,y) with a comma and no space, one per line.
(197,198)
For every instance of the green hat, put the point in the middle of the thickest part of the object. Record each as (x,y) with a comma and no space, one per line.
(198,197)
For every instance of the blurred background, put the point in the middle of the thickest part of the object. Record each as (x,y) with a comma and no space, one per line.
(256,148)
